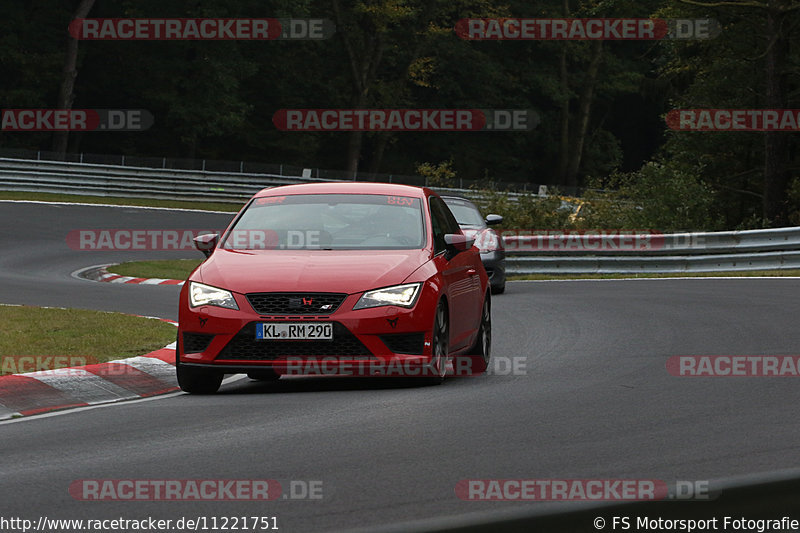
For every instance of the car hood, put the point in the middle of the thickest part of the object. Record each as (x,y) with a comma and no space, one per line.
(348,271)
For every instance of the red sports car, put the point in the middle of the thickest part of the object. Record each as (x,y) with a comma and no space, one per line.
(335,278)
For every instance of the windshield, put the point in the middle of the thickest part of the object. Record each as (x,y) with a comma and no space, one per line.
(466,214)
(329,222)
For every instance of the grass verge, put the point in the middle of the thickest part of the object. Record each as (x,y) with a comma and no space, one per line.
(733,274)
(74,198)
(94,335)
(166,269)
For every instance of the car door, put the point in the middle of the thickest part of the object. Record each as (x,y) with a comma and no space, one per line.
(462,283)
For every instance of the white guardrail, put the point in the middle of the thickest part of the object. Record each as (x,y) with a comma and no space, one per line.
(140,182)
(551,252)
(649,252)
(135,182)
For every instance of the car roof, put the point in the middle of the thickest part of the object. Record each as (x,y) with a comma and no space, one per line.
(459,199)
(346,187)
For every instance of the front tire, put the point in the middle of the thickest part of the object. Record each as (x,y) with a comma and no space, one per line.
(440,346)
(195,380)
(266,374)
(480,353)
(198,380)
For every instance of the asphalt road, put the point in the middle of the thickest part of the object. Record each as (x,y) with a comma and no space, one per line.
(594,400)
(36,261)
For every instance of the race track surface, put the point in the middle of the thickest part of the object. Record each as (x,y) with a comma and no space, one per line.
(594,400)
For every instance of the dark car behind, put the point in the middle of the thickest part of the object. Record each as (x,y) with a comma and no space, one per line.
(488,241)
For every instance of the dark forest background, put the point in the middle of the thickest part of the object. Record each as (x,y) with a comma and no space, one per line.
(601,103)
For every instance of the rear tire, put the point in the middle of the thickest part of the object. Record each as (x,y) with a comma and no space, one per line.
(499,289)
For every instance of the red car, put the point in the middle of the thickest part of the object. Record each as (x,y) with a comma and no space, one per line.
(335,278)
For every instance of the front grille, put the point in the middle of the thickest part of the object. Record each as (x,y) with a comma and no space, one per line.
(196,342)
(245,347)
(405,343)
(295,303)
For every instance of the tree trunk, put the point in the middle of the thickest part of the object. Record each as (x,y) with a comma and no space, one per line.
(584,113)
(65,94)
(776,153)
(354,142)
(563,145)
(380,148)
(363,66)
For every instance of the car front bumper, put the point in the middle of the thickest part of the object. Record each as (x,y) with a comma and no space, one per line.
(495,265)
(366,341)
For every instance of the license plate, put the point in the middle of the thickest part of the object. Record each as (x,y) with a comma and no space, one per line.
(294,331)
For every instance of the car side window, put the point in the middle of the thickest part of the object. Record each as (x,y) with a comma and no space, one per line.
(440,224)
(452,223)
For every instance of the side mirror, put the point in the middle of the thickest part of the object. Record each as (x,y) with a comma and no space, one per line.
(492,220)
(457,242)
(206,243)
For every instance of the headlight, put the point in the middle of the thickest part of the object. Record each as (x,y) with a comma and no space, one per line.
(200,294)
(488,241)
(400,295)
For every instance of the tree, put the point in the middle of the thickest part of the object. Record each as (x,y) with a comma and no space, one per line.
(779,22)
(66,92)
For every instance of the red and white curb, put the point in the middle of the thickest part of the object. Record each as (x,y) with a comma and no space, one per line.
(126,379)
(101,273)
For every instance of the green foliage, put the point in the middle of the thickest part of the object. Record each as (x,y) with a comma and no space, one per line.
(529,212)
(794,201)
(216,100)
(657,197)
(440,175)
